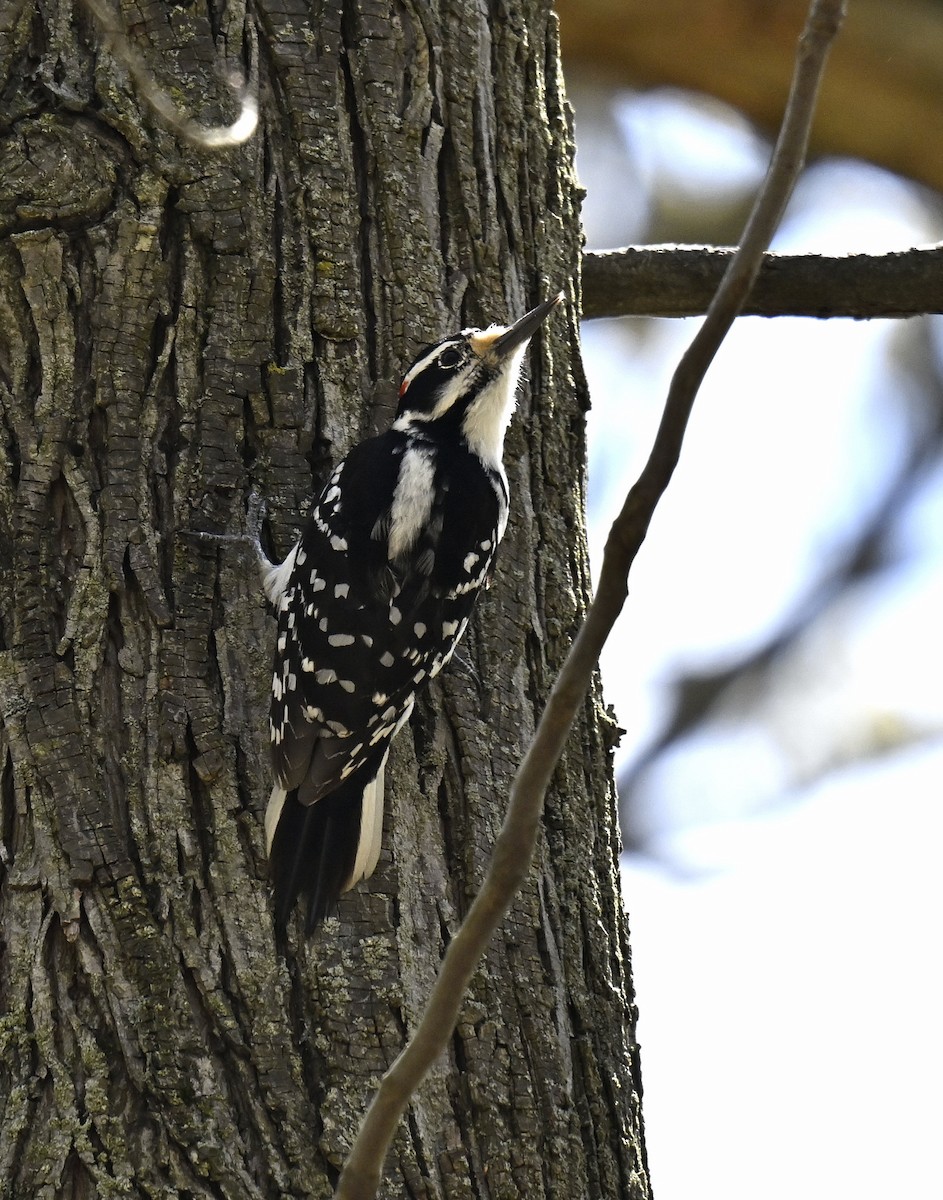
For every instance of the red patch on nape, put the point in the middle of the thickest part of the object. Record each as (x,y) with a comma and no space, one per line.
(403,386)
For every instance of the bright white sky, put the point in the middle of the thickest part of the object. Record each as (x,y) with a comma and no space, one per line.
(785,937)
(790,1002)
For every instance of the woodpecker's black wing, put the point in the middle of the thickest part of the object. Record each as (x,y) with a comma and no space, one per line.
(327,618)
(379,591)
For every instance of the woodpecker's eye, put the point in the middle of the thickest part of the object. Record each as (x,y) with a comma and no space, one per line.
(450,357)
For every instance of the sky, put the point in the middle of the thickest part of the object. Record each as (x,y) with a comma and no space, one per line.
(790,997)
(784,911)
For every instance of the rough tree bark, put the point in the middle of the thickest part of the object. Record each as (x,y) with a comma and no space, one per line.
(176,328)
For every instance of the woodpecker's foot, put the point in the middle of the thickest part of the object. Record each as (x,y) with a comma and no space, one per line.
(255,517)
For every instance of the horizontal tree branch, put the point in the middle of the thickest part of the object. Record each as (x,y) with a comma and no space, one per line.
(679,281)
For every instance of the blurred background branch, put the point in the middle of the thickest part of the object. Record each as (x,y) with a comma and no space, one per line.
(741,52)
(195,133)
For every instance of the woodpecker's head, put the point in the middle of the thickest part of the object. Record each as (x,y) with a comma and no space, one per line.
(467,382)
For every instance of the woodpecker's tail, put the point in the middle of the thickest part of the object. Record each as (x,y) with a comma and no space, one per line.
(321,850)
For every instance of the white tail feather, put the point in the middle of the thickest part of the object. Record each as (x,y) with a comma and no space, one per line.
(371,829)
(371,825)
(272,813)
(275,577)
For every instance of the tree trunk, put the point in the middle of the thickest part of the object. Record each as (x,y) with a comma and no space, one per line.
(176,328)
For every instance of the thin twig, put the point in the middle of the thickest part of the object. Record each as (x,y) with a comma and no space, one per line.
(514,848)
(680,281)
(206,137)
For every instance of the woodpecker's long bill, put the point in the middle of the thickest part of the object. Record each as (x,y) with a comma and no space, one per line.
(373,599)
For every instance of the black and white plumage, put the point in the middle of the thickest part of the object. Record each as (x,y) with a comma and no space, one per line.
(373,599)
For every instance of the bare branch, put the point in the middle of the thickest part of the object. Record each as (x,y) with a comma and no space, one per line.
(514,848)
(206,137)
(679,281)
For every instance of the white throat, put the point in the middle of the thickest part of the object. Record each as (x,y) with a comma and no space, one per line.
(486,421)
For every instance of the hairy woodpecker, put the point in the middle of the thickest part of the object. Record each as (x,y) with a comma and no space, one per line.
(373,599)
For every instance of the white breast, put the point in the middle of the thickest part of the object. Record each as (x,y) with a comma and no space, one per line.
(412,500)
